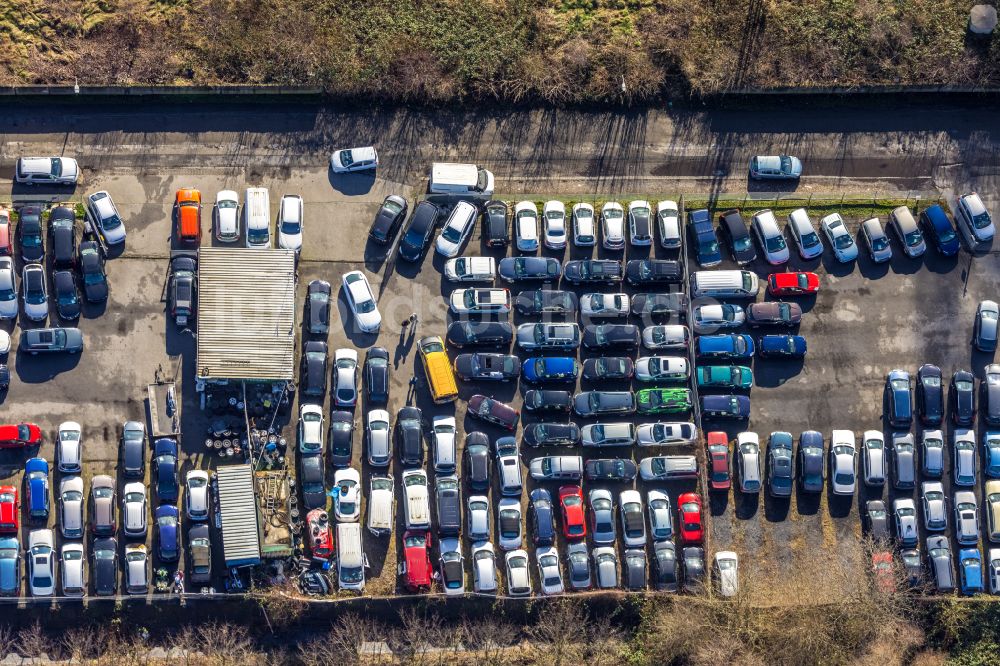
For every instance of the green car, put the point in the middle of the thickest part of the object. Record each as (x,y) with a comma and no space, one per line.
(725,376)
(663,401)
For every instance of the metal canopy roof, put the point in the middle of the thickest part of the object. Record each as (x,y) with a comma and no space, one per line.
(238,507)
(246,314)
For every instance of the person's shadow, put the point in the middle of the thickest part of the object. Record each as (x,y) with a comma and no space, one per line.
(407,336)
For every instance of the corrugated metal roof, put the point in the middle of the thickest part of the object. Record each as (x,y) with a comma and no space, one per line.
(246,314)
(238,507)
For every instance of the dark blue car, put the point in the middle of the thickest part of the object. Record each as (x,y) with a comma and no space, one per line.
(165,463)
(703,238)
(897,386)
(541,517)
(782,346)
(36,478)
(167,545)
(550,369)
(730,346)
(938,228)
(725,407)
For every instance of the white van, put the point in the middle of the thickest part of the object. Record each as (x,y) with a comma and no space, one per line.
(455,178)
(350,557)
(416,509)
(380,505)
(724,284)
(257,217)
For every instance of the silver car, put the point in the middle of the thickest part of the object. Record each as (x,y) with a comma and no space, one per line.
(136,568)
(34,292)
(71,507)
(602,516)
(873,457)
(668,224)
(379,438)
(935,506)
(660,518)
(477,516)
(578,566)
(840,239)
(8,289)
(909,233)
(966,518)
(134,509)
(964,465)
(904,511)
(74,581)
(196,494)
(932,453)
(606,567)
(804,234)
(973,219)
(768,233)
(69,445)
(878,243)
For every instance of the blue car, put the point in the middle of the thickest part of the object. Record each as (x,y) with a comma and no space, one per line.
(725,407)
(550,369)
(991,454)
(36,479)
(10,566)
(730,346)
(167,545)
(706,244)
(782,346)
(971,571)
(897,387)
(165,469)
(938,228)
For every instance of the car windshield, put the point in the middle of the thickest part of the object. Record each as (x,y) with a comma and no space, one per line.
(963,385)
(901,384)
(843,478)
(931,381)
(708,247)
(291,227)
(914,238)
(741,244)
(415,480)
(810,239)
(880,243)
(166,521)
(258,236)
(981,221)
(775,243)
(452,234)
(103,554)
(196,482)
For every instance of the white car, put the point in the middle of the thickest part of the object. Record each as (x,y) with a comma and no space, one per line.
(509,519)
(840,239)
(134,509)
(613,226)
(484,567)
(606,567)
(993,570)
(227,218)
(633,522)
(136,568)
(379,438)
(508,466)
(661,526)
(34,292)
(666,434)
(470,269)
(518,578)
(934,505)
(74,581)
(640,224)
(480,301)
(361,299)
(526,226)
(196,495)
(554,213)
(8,289)
(661,368)
(71,507)
(452,566)
(966,518)
(666,336)
(41,563)
(602,516)
(604,305)
(963,465)
(104,215)
(804,234)
(347,498)
(477,518)
(904,511)
(668,220)
(973,219)
(584,229)
(354,159)
(456,229)
(345,373)
(768,233)
(311,429)
(443,429)
(549,571)
(727,570)
(710,318)
(46,171)
(416,504)
(291,212)
(70,441)
(842,453)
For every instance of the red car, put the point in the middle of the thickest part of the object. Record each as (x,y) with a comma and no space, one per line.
(13,435)
(494,411)
(320,535)
(792,284)
(8,510)
(689,508)
(718,454)
(416,552)
(574,522)
(882,570)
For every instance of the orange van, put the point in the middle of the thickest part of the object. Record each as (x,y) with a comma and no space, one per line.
(188,205)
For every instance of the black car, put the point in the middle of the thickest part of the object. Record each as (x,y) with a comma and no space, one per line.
(318,307)
(165,469)
(989,403)
(418,233)
(448,499)
(62,236)
(529,269)
(537,400)
(599,403)
(551,434)
(390,215)
(487,367)
(377,375)
(608,368)
(963,398)
(541,518)
(694,568)
(476,463)
(66,295)
(133,450)
(611,336)
(312,375)
(105,566)
(29,232)
(593,271)
(495,231)
(737,236)
(658,305)
(312,480)
(930,394)
(635,569)
(95,281)
(480,333)
(546,301)
(811,461)
(653,271)
(410,436)
(340,438)
(610,469)
(665,567)
(182,288)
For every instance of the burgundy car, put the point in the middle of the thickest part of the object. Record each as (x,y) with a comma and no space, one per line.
(773,313)
(718,453)
(494,411)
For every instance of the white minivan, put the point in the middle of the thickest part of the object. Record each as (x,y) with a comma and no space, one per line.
(381,504)
(724,284)
(416,507)
(455,178)
(350,557)
(257,217)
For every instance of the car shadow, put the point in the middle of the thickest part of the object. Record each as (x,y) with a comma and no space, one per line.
(939,263)
(836,268)
(904,265)
(358,338)
(352,184)
(745,505)
(776,509)
(718,502)
(870,269)
(839,506)
(771,373)
(43,367)
(807,504)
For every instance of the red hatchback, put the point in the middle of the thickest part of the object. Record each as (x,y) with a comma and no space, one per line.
(689,508)
(718,455)
(416,552)
(14,435)
(792,284)
(574,522)
(8,510)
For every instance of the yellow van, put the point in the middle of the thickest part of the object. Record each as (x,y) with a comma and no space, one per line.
(437,368)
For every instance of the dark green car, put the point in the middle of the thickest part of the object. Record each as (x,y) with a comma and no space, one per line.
(724,376)
(663,401)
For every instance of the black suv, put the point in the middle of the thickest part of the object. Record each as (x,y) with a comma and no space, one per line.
(418,234)
(495,231)
(62,236)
